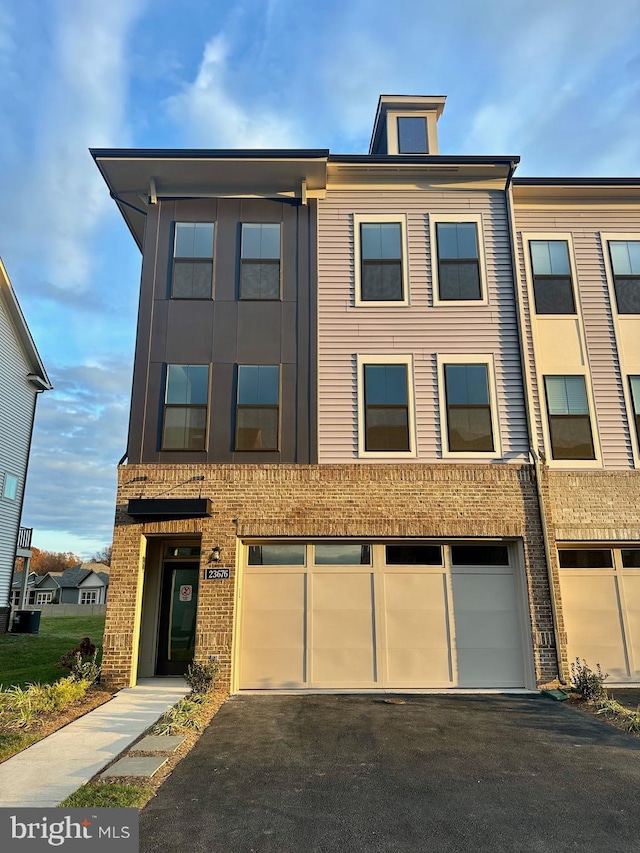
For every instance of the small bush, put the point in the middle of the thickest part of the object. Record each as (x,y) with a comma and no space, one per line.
(201,676)
(589,684)
(85,649)
(180,716)
(20,707)
(86,668)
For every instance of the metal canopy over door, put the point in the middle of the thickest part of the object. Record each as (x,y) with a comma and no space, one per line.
(600,589)
(363,616)
(178,606)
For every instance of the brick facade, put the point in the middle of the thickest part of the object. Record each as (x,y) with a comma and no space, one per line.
(5,613)
(364,500)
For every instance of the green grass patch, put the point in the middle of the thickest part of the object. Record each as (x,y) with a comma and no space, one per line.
(30,658)
(108,795)
(14,742)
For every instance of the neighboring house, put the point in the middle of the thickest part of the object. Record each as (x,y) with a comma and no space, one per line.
(16,586)
(342,472)
(22,378)
(80,584)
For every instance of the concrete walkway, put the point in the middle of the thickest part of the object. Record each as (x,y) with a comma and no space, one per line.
(50,770)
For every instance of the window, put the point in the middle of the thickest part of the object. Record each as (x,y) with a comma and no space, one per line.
(631,558)
(585,558)
(89,596)
(44,597)
(10,487)
(479,555)
(260,261)
(386,408)
(468,408)
(276,555)
(569,421)
(346,554)
(257,412)
(15,597)
(457,269)
(380,260)
(634,384)
(413,555)
(412,135)
(185,409)
(625,263)
(552,285)
(192,260)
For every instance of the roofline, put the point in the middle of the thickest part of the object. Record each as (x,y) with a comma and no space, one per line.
(576,182)
(209,153)
(38,375)
(424,159)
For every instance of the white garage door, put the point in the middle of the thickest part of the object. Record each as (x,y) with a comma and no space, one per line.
(356,616)
(601,604)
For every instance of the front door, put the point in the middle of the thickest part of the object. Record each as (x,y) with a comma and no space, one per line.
(178,606)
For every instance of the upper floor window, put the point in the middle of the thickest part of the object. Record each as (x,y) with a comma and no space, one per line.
(185,407)
(380,262)
(192,260)
(10,487)
(258,410)
(625,263)
(468,408)
(386,422)
(457,265)
(569,421)
(552,285)
(412,135)
(260,261)
(634,383)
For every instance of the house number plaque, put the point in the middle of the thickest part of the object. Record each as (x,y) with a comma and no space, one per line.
(216,574)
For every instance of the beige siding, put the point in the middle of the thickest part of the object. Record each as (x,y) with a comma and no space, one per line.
(585,226)
(421,329)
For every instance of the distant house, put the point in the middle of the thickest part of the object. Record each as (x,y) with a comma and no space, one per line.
(22,378)
(80,584)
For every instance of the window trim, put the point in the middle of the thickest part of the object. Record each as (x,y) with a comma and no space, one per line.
(165,406)
(596,462)
(277,406)
(86,592)
(457,218)
(613,237)
(443,359)
(277,298)
(193,260)
(407,360)
(382,219)
(548,236)
(634,429)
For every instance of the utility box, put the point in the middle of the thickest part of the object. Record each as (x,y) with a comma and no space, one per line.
(26,622)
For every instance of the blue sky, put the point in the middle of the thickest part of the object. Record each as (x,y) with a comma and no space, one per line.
(555,81)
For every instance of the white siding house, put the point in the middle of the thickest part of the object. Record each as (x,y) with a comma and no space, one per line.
(22,377)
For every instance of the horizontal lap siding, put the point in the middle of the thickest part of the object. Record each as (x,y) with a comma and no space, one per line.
(420,329)
(585,226)
(16,407)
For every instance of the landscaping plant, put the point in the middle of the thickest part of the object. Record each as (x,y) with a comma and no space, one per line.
(201,676)
(586,682)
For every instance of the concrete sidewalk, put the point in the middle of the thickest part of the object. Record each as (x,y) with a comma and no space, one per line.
(50,770)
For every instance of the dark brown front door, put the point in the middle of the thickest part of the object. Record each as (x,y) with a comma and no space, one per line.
(178,606)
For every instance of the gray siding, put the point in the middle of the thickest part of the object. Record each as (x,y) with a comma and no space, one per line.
(224,332)
(585,225)
(17,399)
(421,329)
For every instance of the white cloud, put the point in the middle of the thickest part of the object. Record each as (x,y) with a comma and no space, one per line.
(215,119)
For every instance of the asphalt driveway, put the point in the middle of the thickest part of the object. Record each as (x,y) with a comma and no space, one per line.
(317,774)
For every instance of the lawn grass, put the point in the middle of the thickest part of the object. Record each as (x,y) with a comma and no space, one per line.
(13,742)
(108,795)
(29,658)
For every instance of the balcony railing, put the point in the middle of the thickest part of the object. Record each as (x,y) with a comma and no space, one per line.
(24,537)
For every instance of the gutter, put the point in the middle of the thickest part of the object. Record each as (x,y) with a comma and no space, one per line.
(533,448)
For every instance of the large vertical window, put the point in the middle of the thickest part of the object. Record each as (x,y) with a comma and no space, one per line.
(552,285)
(458,262)
(569,420)
(412,135)
(468,408)
(260,261)
(386,408)
(185,407)
(634,386)
(192,261)
(257,411)
(625,263)
(10,487)
(381,262)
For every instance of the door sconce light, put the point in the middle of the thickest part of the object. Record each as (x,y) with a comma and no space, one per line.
(214,556)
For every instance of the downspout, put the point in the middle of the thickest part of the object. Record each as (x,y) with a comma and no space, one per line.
(533,448)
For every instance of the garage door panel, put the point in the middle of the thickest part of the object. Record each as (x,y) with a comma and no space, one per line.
(418,667)
(417,629)
(335,628)
(341,590)
(487,629)
(414,591)
(272,590)
(488,592)
(334,667)
(489,667)
(270,629)
(580,592)
(273,669)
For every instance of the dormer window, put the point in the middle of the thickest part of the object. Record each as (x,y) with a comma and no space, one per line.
(412,135)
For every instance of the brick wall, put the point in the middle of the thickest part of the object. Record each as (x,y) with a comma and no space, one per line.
(309,501)
(5,613)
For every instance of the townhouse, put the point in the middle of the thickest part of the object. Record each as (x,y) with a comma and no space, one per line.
(341,472)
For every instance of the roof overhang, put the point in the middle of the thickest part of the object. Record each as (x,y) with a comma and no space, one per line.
(138,178)
(164,509)
(418,170)
(576,190)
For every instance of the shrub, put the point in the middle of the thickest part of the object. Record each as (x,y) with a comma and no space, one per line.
(180,716)
(589,684)
(85,649)
(20,706)
(82,662)
(201,676)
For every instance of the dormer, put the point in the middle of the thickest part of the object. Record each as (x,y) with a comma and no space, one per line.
(406,124)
